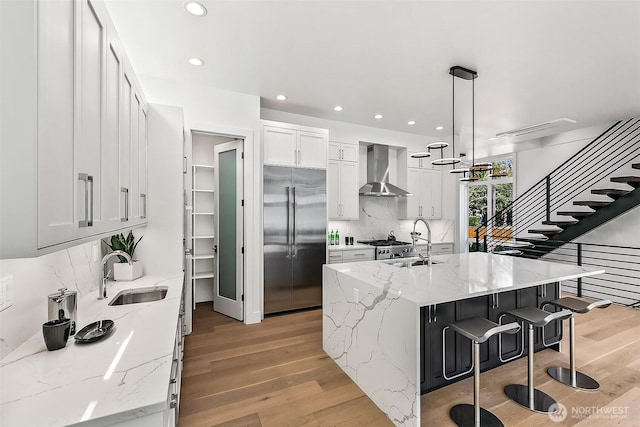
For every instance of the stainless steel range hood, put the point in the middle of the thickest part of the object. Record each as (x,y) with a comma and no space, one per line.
(378,174)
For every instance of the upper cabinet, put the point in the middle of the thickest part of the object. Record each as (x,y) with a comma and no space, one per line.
(89,151)
(422,179)
(342,178)
(291,145)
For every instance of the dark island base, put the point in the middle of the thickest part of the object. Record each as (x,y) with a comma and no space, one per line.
(458,358)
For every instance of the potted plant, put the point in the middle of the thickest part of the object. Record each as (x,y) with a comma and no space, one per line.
(123,270)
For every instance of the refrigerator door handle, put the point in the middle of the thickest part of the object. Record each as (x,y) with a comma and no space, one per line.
(288,223)
(293,231)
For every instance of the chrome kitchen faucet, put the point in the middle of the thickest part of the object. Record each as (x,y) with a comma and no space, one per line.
(102,286)
(415,237)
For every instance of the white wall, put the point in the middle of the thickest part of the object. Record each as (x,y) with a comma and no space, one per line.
(218,111)
(76,268)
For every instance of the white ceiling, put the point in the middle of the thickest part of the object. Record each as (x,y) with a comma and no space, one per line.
(536,60)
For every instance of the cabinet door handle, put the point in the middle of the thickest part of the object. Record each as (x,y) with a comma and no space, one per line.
(433,211)
(88,200)
(144,205)
(125,190)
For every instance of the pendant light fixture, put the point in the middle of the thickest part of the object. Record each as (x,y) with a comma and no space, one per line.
(469,173)
(455,71)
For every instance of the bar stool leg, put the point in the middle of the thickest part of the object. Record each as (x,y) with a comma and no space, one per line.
(528,396)
(570,376)
(476,383)
(474,416)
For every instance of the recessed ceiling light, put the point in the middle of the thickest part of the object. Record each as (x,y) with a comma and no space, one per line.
(411,122)
(337,108)
(196,61)
(493,138)
(195,8)
(281,97)
(377,116)
(439,127)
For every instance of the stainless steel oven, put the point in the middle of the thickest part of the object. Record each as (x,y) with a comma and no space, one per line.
(389,249)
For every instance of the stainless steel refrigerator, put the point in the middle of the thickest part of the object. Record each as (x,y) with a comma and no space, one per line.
(295,236)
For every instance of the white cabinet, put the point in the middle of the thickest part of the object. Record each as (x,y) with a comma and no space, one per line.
(291,145)
(59,188)
(351,255)
(343,151)
(425,182)
(175,381)
(342,177)
(81,151)
(426,186)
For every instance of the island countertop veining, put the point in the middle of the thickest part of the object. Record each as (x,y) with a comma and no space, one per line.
(122,377)
(371,323)
(459,276)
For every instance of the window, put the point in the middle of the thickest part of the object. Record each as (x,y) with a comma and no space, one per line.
(491,196)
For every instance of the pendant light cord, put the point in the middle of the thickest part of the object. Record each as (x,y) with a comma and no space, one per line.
(473,121)
(453,116)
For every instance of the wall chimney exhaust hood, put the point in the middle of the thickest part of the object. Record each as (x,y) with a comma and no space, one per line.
(378,174)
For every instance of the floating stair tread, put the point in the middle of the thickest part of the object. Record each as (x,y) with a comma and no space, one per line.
(509,252)
(545,231)
(597,203)
(521,244)
(561,224)
(625,179)
(580,214)
(636,165)
(610,191)
(532,239)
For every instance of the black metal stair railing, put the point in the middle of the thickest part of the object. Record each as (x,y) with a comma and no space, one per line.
(621,281)
(614,148)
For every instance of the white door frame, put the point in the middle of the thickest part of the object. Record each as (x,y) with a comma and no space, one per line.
(253,254)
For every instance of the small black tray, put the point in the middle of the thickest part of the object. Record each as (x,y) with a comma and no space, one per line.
(94,331)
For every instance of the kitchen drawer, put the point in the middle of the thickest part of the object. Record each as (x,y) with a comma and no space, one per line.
(352,255)
(358,255)
(437,249)
(335,257)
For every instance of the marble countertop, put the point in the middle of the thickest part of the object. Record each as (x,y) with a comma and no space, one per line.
(460,276)
(122,377)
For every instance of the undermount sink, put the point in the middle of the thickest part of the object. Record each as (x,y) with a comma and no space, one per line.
(410,262)
(135,296)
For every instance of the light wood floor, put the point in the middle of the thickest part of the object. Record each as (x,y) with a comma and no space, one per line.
(276,374)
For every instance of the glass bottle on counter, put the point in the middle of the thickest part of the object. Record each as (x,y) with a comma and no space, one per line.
(332,238)
(337,239)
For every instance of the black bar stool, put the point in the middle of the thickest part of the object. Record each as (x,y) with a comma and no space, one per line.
(528,396)
(570,376)
(478,330)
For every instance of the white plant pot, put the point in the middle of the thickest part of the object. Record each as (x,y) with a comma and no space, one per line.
(125,272)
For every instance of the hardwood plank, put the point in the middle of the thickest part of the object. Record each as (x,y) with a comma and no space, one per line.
(276,374)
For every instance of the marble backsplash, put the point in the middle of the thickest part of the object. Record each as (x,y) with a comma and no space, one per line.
(379,215)
(76,268)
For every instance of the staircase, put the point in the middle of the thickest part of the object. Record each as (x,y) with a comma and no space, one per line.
(597,184)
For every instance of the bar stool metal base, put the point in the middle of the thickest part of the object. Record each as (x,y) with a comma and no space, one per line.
(583,382)
(542,402)
(463,416)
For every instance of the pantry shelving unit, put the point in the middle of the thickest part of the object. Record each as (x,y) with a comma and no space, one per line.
(202,236)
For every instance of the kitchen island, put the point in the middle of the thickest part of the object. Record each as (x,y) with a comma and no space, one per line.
(376,316)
